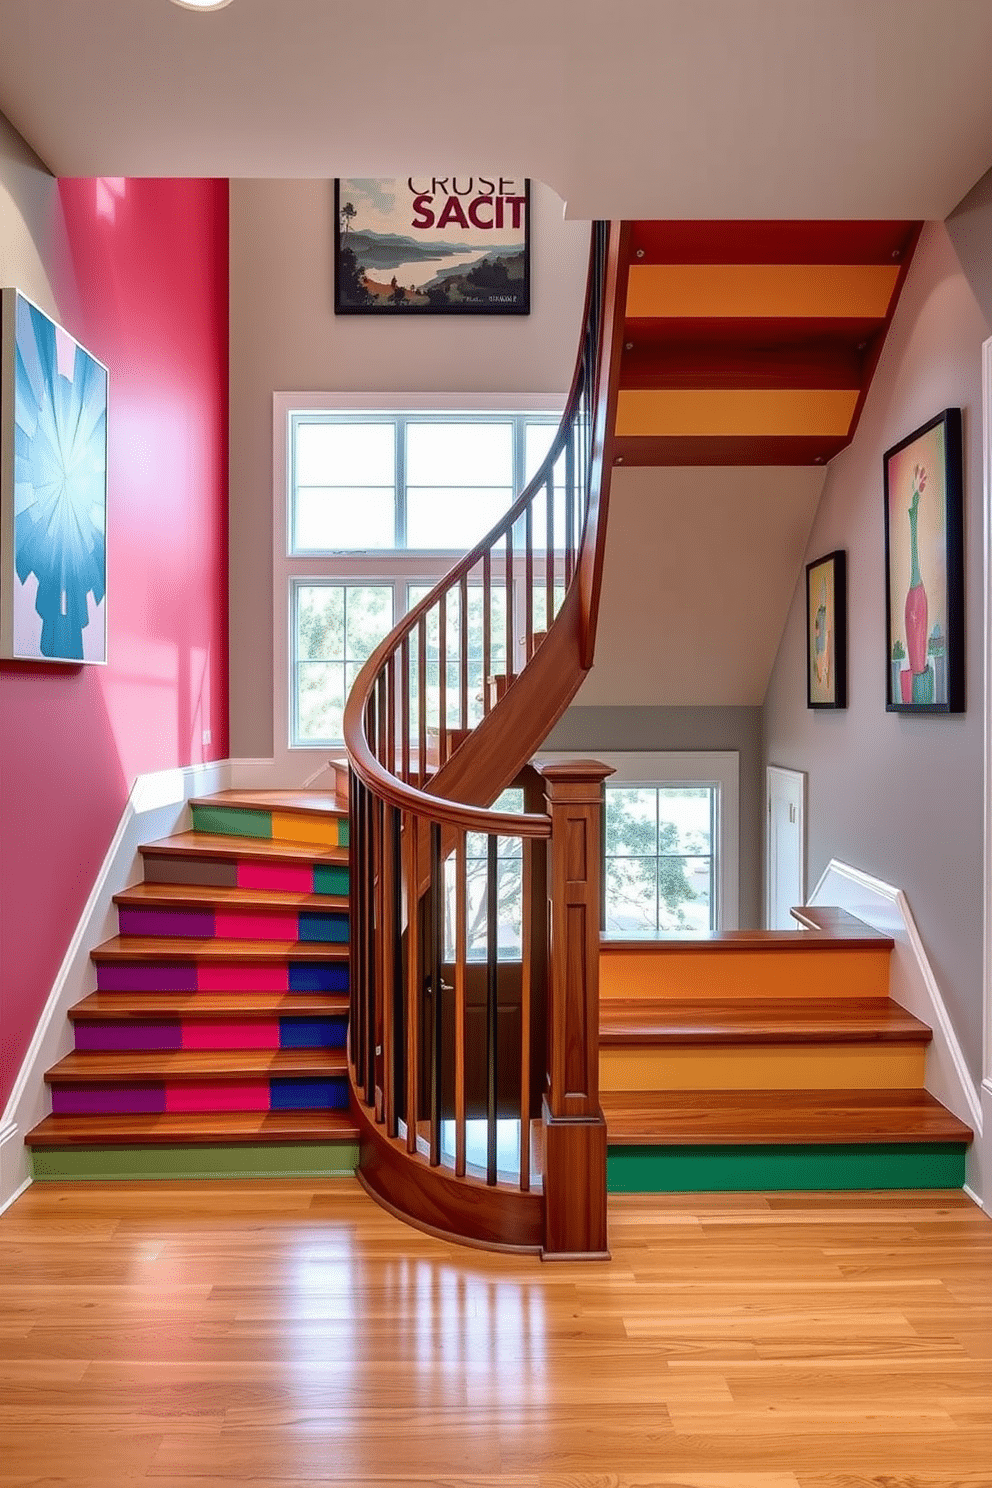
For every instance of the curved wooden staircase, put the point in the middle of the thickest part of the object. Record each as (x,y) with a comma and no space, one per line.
(488,1092)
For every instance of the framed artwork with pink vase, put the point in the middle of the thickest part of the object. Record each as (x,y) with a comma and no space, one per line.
(924,570)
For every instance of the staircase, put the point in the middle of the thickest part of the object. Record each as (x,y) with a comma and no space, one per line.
(217,1043)
(214,1043)
(768,1060)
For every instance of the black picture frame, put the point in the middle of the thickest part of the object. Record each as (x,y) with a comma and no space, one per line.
(924,569)
(826,631)
(385,225)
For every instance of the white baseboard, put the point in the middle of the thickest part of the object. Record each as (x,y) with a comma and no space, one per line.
(155,808)
(913,985)
(982,1179)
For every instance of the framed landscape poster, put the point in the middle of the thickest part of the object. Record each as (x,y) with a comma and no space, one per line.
(826,631)
(924,569)
(432,245)
(53,490)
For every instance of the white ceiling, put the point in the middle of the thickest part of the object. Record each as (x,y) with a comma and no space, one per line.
(651,108)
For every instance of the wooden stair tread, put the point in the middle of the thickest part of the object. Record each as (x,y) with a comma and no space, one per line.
(856,936)
(213,845)
(189,1129)
(150,948)
(152,1007)
(207,896)
(85,1067)
(782,1117)
(743,1021)
(292,802)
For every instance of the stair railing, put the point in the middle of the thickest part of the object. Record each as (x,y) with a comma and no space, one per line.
(473,1033)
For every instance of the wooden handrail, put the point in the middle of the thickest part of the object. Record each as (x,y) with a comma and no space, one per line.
(417,984)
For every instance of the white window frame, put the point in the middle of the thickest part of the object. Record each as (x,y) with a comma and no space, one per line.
(718,768)
(299,764)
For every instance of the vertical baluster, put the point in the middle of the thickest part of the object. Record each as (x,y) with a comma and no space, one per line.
(405,709)
(434,931)
(529,580)
(397,1047)
(442,674)
(360,938)
(355,987)
(463,652)
(571,541)
(414,980)
(391,712)
(526,954)
(382,717)
(386,939)
(381,959)
(492,1019)
(510,668)
(487,627)
(461,879)
(549,557)
(422,701)
(372,969)
(373,1066)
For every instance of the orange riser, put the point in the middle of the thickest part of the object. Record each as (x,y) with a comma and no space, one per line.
(698,972)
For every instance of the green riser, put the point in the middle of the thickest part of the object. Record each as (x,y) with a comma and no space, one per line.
(228,821)
(791,1169)
(629,1169)
(275,1160)
(245,821)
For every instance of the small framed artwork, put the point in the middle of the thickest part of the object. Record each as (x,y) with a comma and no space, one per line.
(924,570)
(53,490)
(826,631)
(432,245)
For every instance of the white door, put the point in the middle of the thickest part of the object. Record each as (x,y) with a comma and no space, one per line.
(785,846)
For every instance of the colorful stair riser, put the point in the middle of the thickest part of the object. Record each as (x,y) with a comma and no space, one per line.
(271,826)
(155,1097)
(175,1034)
(222,976)
(292,878)
(206,924)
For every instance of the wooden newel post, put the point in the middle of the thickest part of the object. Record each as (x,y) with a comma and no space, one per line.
(574,1128)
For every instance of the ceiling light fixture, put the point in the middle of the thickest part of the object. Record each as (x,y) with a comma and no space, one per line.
(202,4)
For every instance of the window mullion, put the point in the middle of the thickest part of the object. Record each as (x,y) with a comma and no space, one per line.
(401,502)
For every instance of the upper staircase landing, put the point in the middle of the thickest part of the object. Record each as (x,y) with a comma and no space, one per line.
(753,343)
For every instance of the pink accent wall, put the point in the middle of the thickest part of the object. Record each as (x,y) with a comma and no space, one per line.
(140,273)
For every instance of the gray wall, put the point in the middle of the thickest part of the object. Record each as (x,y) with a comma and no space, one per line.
(896,796)
(286,338)
(590,729)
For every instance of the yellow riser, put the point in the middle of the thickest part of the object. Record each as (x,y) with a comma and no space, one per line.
(763,1067)
(752,973)
(763,291)
(290,826)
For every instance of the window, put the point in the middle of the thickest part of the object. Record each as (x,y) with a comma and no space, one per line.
(372,508)
(659,859)
(670,843)
(428,482)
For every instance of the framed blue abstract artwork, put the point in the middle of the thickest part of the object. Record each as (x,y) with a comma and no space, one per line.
(53,490)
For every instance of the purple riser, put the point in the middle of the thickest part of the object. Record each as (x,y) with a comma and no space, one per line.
(192,923)
(127,977)
(108,1100)
(129,1036)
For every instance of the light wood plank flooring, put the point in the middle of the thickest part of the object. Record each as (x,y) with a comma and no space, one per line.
(277,1334)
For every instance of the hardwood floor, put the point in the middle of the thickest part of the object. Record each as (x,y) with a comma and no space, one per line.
(202,1335)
